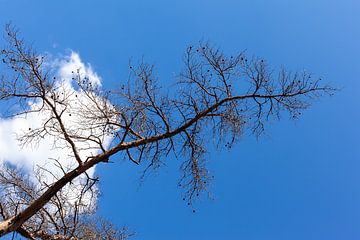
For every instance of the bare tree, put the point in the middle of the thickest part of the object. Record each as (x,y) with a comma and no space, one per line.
(218,95)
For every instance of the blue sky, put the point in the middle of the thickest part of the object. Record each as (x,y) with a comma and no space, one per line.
(300,181)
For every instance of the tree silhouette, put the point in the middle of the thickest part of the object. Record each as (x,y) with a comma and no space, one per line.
(215,95)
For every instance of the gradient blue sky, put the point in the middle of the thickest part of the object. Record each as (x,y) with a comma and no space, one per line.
(301,181)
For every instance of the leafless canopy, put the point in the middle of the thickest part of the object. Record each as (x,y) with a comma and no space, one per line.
(216,94)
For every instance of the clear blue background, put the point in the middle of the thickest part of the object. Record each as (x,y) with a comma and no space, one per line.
(301,181)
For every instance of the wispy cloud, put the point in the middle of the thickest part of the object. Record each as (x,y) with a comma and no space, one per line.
(73,64)
(44,151)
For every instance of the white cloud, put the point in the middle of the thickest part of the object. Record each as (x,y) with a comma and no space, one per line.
(77,118)
(73,64)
